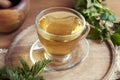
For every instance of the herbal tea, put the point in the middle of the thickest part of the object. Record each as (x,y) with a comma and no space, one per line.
(57,24)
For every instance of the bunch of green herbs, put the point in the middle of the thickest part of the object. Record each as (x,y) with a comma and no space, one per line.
(101,19)
(24,72)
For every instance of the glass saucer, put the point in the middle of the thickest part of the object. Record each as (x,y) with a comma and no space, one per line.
(82,51)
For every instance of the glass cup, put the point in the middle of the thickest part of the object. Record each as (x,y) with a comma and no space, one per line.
(60,30)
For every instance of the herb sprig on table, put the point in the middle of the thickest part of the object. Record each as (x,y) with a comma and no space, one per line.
(24,72)
(99,17)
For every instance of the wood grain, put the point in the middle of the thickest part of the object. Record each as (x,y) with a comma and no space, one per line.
(98,66)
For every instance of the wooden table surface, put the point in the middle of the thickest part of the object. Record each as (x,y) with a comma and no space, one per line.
(37,5)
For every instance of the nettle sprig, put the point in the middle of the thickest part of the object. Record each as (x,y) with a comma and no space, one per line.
(101,19)
(24,72)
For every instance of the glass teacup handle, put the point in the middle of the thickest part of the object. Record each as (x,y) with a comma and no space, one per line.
(86,31)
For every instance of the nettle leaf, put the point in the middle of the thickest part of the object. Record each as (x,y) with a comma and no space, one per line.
(104,16)
(111,18)
(89,3)
(80,4)
(94,33)
(99,1)
(95,12)
(105,34)
(116,38)
(108,17)
(117,25)
(98,5)
(117,31)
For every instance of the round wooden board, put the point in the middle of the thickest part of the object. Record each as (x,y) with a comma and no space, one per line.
(99,65)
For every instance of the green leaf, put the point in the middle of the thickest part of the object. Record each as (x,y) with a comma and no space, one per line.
(98,5)
(89,3)
(108,17)
(13,75)
(116,38)
(118,31)
(92,11)
(104,16)
(105,34)
(24,65)
(111,18)
(117,25)
(24,72)
(94,33)
(80,4)
(99,1)
(97,15)
(39,66)
(3,73)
